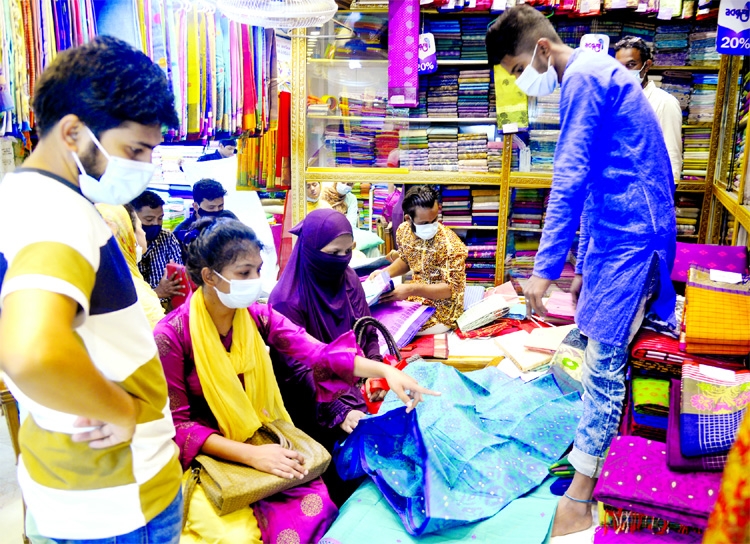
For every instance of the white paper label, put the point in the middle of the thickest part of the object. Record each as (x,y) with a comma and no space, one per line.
(717,373)
(665,13)
(726,277)
(510,128)
(619,4)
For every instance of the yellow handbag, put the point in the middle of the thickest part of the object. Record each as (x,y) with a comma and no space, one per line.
(231,486)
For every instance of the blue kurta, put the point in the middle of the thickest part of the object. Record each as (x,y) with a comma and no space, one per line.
(612,157)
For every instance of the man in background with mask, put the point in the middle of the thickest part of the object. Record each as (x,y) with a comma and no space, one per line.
(208,201)
(97,457)
(314,201)
(436,257)
(635,55)
(611,172)
(163,247)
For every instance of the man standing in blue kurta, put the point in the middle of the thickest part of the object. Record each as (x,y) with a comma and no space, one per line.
(611,173)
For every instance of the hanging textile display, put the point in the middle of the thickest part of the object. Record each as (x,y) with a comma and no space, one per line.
(32,33)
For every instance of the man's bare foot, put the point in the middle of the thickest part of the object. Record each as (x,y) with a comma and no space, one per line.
(571,517)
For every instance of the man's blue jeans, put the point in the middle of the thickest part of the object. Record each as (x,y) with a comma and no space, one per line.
(603,396)
(163,529)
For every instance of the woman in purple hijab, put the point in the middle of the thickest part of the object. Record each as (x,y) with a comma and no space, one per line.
(319,292)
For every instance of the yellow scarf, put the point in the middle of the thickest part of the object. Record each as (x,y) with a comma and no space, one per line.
(118,219)
(239,412)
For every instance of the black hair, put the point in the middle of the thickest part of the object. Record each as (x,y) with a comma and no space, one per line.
(106,83)
(219,242)
(634,42)
(230,141)
(516,31)
(207,189)
(419,196)
(147,199)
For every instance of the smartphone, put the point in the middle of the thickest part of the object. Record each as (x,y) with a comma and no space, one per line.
(172,268)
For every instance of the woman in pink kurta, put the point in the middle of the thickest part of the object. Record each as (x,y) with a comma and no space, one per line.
(224,260)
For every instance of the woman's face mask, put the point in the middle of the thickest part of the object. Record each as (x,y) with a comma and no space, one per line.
(242,293)
(533,83)
(343,189)
(121,182)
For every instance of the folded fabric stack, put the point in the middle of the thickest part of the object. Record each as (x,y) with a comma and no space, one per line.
(649,408)
(442,143)
(473,90)
(447,33)
(613,29)
(679,85)
(385,142)
(485,205)
(456,207)
(493,98)
(472,152)
(527,208)
(696,144)
(671,45)
(687,209)
(716,319)
(351,145)
(402,318)
(640,29)
(703,98)
(473,33)
(413,150)
(543,144)
(362,192)
(703,47)
(420,111)
(658,356)
(571,32)
(522,250)
(480,262)
(495,156)
(442,94)
(544,111)
(640,492)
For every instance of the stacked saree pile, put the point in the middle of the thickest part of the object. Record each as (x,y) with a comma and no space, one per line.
(527,210)
(447,34)
(472,152)
(495,156)
(442,143)
(473,92)
(456,201)
(402,318)
(649,408)
(542,145)
(485,204)
(703,98)
(32,33)
(480,262)
(717,316)
(638,491)
(696,141)
(464,456)
(442,93)
(413,149)
(473,33)
(671,44)
(703,47)
(385,142)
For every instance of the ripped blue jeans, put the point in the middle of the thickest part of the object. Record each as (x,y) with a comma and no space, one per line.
(604,393)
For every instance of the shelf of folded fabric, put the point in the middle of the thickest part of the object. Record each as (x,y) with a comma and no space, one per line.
(470,227)
(690,186)
(399,120)
(656,68)
(399,175)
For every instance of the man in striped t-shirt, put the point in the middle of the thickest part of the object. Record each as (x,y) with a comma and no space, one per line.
(97,457)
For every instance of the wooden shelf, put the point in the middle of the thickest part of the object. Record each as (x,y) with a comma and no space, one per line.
(530,180)
(472,227)
(401,175)
(524,229)
(423,120)
(655,68)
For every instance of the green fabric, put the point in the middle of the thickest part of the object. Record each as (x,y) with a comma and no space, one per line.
(651,396)
(367,517)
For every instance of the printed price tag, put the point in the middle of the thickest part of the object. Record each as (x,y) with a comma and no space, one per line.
(726,277)
(598,43)
(427,54)
(619,4)
(510,128)
(733,36)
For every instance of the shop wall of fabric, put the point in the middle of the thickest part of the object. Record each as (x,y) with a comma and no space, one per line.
(32,32)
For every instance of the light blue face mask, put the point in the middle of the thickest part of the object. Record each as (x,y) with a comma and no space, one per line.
(242,293)
(121,182)
(532,83)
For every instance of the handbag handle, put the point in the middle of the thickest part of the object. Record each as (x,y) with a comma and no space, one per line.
(283,440)
(360,327)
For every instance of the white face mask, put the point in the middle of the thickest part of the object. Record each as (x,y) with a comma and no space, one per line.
(312,199)
(426,232)
(138,253)
(637,75)
(343,189)
(242,293)
(121,182)
(532,83)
